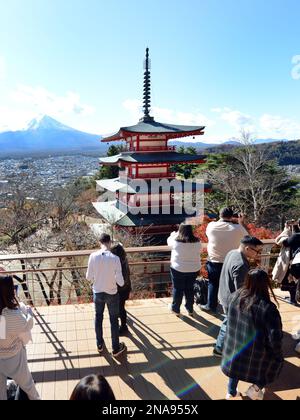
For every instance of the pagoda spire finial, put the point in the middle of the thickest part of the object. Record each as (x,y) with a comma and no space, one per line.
(147,89)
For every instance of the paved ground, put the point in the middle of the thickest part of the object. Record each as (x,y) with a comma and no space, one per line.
(168,357)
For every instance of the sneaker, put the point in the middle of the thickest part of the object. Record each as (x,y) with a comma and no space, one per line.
(172,311)
(121,350)
(207,309)
(217,353)
(100,348)
(231,397)
(123,330)
(290,301)
(255,393)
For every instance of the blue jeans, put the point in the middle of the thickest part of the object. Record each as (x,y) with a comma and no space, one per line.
(232,386)
(214,273)
(183,284)
(112,302)
(222,333)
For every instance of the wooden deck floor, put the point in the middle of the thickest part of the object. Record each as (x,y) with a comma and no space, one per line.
(167,358)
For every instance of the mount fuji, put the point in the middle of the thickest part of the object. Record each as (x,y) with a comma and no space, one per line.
(45,134)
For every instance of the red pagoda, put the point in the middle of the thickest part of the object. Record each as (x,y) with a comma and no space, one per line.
(147,157)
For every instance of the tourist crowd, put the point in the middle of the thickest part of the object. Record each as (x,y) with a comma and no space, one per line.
(249,343)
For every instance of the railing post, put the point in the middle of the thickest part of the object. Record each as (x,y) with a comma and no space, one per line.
(265,260)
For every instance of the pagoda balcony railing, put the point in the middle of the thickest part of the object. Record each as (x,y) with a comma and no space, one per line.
(57,278)
(152,149)
(151,176)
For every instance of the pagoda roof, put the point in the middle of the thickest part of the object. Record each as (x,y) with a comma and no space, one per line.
(110,212)
(180,185)
(155,128)
(155,157)
(132,220)
(115,185)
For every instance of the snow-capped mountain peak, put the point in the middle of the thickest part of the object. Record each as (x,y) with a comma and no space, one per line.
(44,122)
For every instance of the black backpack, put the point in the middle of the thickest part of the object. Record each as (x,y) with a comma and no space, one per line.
(201,291)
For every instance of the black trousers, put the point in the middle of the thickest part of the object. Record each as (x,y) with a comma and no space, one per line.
(124,295)
(290,287)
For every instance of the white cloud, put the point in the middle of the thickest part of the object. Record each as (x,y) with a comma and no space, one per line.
(26,102)
(238,120)
(277,126)
(265,126)
(167,115)
(134,107)
(14,119)
(296,68)
(45,102)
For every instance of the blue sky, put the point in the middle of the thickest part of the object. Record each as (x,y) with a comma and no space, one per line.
(228,64)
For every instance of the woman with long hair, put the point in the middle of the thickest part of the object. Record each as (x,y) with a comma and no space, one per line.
(253,344)
(124,291)
(185,266)
(15,327)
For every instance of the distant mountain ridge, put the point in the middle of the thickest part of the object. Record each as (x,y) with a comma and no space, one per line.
(231,143)
(45,134)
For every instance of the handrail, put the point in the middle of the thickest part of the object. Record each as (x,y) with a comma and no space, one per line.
(83,253)
(83,267)
(64,281)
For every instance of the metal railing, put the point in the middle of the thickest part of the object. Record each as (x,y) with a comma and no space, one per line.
(60,277)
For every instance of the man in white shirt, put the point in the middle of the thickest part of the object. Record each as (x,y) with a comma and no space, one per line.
(105,272)
(223,236)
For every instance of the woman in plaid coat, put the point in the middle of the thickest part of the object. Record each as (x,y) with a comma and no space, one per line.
(253,344)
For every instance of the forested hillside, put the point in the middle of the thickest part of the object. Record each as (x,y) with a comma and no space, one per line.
(286,153)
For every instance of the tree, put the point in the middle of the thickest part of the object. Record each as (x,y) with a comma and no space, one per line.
(19,220)
(247,179)
(185,170)
(33,226)
(110,172)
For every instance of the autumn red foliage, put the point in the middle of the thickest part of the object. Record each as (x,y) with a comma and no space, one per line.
(261,232)
(258,232)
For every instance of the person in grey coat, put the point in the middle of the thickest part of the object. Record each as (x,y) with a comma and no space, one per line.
(235,269)
(253,344)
